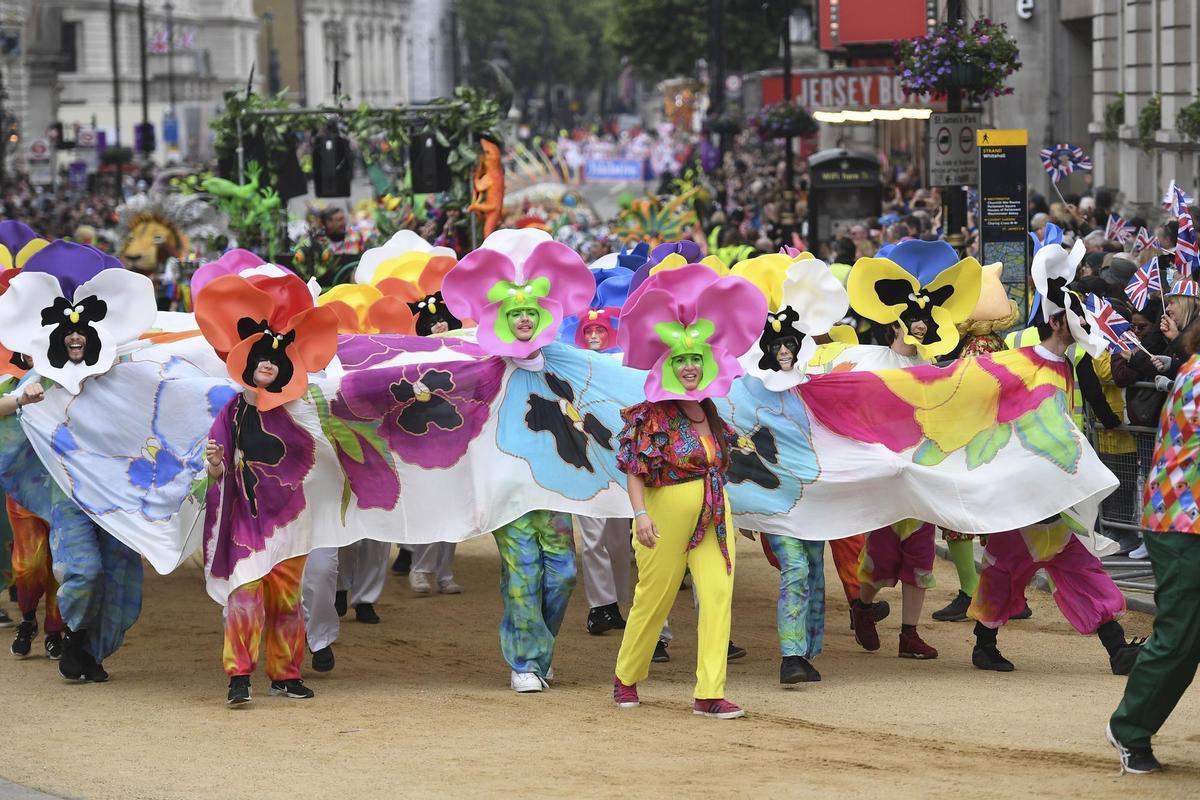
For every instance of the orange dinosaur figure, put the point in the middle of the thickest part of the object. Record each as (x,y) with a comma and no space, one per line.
(488,201)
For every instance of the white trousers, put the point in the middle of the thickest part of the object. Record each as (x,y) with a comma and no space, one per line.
(437,559)
(321,622)
(362,570)
(607,558)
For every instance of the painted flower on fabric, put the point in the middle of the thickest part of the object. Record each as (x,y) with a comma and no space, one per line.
(563,420)
(773,458)
(269,457)
(517,269)
(690,311)
(368,471)
(918,281)
(364,351)
(66,289)
(427,414)
(146,463)
(247,321)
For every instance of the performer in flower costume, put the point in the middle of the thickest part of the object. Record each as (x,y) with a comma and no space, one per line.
(70,309)
(922,291)
(520,285)
(271,337)
(804,300)
(1083,590)
(1167,664)
(686,326)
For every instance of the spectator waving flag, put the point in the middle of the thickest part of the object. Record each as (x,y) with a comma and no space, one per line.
(1144,282)
(1061,160)
(1116,330)
(1176,200)
(1144,240)
(1118,230)
(1186,258)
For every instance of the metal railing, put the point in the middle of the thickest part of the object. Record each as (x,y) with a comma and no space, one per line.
(1121,511)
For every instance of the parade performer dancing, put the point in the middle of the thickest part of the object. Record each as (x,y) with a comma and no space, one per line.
(271,338)
(520,285)
(685,326)
(1167,663)
(62,311)
(804,300)
(1084,592)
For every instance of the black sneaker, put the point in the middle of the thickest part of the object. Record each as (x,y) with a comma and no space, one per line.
(797,669)
(956,611)
(603,619)
(293,688)
(74,660)
(365,612)
(880,610)
(661,656)
(403,563)
(322,660)
(93,670)
(1121,661)
(987,656)
(54,646)
(339,603)
(735,652)
(1024,613)
(24,641)
(239,690)
(1134,760)
(5,620)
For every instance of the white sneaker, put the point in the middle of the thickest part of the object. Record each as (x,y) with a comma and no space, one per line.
(420,583)
(549,675)
(524,682)
(1139,553)
(448,586)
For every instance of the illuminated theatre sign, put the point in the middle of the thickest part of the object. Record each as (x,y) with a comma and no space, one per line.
(857,94)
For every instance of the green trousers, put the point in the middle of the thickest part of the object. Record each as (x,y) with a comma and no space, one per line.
(1167,663)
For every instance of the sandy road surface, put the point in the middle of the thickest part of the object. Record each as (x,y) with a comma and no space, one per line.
(419,705)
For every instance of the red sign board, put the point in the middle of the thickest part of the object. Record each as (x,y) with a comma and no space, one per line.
(851,22)
(842,90)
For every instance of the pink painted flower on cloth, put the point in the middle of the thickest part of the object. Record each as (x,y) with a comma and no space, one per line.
(690,311)
(513,270)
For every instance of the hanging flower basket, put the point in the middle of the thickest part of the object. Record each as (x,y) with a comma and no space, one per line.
(954,57)
(725,124)
(783,121)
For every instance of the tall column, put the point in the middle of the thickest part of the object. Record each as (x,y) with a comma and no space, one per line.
(1106,85)
(1177,50)
(316,89)
(1139,170)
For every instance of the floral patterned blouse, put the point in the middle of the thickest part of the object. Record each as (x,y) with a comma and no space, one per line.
(659,445)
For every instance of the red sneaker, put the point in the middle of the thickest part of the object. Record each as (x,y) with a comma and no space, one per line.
(625,696)
(717,709)
(913,646)
(864,627)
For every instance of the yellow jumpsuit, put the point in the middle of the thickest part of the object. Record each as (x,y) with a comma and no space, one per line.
(674,510)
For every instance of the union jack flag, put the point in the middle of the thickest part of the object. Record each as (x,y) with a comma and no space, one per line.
(1186,258)
(1144,240)
(1118,230)
(1061,160)
(1176,200)
(1116,330)
(1147,279)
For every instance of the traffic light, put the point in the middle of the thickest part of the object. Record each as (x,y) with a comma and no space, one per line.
(143,137)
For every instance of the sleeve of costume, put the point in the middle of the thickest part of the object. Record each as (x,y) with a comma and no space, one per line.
(1126,372)
(1093,394)
(640,443)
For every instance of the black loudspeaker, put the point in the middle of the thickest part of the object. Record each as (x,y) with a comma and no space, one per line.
(290,180)
(332,166)
(428,161)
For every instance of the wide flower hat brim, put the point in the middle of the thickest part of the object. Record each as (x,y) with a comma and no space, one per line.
(352,303)
(17,243)
(311,350)
(233,262)
(401,243)
(553,275)
(227,300)
(129,310)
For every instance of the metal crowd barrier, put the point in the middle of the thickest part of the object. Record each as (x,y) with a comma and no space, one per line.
(1121,511)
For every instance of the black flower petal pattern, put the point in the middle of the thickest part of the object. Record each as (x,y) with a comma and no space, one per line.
(570,429)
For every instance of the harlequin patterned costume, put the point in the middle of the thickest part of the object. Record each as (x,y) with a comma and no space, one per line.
(1168,662)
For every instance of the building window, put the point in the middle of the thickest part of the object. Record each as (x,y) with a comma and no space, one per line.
(69,47)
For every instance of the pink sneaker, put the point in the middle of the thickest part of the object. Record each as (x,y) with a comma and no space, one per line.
(625,696)
(717,709)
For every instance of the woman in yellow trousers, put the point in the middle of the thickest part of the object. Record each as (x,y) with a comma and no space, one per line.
(675,450)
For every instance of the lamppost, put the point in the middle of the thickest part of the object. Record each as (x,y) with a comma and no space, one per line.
(956,198)
(143,142)
(787,215)
(273,81)
(170,9)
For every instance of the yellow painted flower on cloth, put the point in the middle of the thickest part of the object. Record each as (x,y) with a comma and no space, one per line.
(953,408)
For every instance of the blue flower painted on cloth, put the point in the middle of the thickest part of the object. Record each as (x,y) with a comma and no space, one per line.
(774,457)
(563,421)
(134,473)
